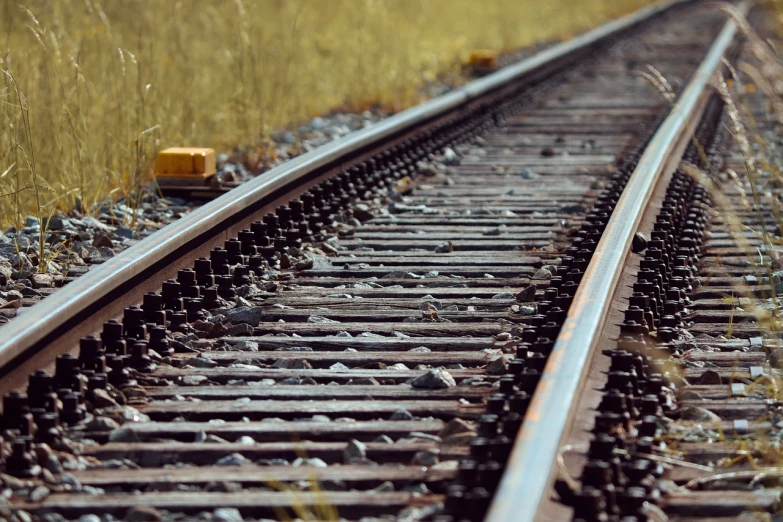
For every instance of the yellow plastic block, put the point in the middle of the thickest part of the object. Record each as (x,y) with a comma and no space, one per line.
(186,161)
(483,58)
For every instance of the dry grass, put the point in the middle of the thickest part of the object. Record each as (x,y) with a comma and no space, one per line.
(758,185)
(104,86)
(757,77)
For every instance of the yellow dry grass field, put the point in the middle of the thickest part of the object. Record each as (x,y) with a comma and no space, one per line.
(90,91)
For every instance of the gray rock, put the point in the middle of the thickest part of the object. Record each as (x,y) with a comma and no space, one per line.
(497,366)
(423,436)
(305,264)
(428,169)
(292,364)
(235,459)
(295,349)
(52,464)
(20,261)
(412,513)
(416,489)
(31,221)
(528,174)
(420,349)
(542,274)
(227,515)
(573,209)
(245,346)
(102,424)
(223,486)
(527,294)
(201,362)
(444,248)
(361,211)
(339,366)
(401,415)
(244,314)
(56,517)
(639,243)
(143,514)
(689,395)
(504,295)
(315,462)
(93,223)
(284,136)
(123,414)
(710,377)
(67,479)
(494,231)
(453,427)
(425,458)
(123,231)
(429,305)
(102,240)
(8,481)
(434,379)
(384,487)
(58,223)
(384,439)
(38,494)
(41,280)
(527,309)
(355,450)
(450,157)
(124,435)
(241,329)
(262,382)
(193,380)
(694,413)
(102,399)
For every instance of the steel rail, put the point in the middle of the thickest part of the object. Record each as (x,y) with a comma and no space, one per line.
(43,323)
(531,467)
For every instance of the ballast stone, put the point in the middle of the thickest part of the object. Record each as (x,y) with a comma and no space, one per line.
(434,379)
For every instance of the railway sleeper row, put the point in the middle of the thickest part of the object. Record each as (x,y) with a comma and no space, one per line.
(284,371)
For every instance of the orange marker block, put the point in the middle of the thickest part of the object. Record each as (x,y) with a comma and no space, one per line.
(185,166)
(186,162)
(483,59)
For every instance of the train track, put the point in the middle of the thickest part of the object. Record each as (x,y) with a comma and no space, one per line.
(409,324)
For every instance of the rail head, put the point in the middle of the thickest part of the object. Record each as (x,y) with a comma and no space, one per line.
(31,331)
(531,468)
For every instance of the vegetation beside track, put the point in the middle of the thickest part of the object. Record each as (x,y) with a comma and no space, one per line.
(91,91)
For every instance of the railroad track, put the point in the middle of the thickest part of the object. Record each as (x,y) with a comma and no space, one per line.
(408,324)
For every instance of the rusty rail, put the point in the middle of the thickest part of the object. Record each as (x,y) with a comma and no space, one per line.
(552,408)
